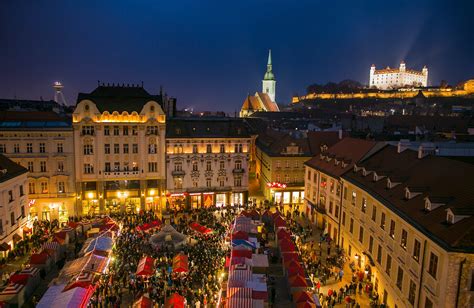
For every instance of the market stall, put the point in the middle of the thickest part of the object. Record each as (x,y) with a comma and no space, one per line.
(146,267)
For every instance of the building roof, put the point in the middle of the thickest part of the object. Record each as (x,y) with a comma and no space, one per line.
(208,127)
(346,153)
(9,169)
(120,98)
(441,178)
(275,143)
(259,102)
(13,120)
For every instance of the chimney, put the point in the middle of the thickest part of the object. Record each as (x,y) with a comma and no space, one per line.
(340,134)
(403,144)
(426,148)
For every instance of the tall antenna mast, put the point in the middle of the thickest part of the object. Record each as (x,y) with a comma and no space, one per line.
(58,87)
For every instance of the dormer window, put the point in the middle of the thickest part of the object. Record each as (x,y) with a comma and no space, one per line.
(454,215)
(427,205)
(407,194)
(365,172)
(450,218)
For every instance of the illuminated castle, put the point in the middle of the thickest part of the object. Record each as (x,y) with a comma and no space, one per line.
(392,78)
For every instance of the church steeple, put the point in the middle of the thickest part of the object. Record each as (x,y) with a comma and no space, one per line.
(269,82)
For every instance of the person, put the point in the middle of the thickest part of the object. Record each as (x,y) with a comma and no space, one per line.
(341,274)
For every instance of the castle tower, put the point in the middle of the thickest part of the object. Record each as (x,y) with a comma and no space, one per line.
(371,79)
(269,82)
(403,66)
(424,71)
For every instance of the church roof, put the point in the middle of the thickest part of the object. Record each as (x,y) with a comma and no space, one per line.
(267,102)
(259,102)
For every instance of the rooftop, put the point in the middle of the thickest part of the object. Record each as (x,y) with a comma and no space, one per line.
(32,119)
(9,169)
(207,127)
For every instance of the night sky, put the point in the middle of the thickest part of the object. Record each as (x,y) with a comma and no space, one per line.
(211,54)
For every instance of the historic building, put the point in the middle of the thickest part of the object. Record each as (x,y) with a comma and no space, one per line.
(42,142)
(323,184)
(280,158)
(392,78)
(407,222)
(265,100)
(119,141)
(14,212)
(206,162)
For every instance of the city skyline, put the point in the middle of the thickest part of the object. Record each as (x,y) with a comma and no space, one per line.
(175,45)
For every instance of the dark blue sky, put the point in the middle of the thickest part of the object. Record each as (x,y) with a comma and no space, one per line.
(210,54)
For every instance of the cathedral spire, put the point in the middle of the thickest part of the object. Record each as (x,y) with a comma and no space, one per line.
(269,73)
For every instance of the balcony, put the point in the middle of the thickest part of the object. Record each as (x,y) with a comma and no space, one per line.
(178,173)
(238,171)
(120,173)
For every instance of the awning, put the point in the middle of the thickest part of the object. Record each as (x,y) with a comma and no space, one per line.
(286,245)
(83,280)
(175,301)
(259,260)
(146,267)
(298,282)
(19,279)
(12,288)
(143,302)
(241,253)
(279,222)
(198,228)
(56,298)
(39,258)
(180,264)
(369,257)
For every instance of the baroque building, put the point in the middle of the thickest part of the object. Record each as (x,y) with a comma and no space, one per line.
(42,142)
(119,141)
(206,162)
(14,212)
(392,78)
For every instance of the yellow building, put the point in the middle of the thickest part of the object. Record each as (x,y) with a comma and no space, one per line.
(42,142)
(119,141)
(407,221)
(280,159)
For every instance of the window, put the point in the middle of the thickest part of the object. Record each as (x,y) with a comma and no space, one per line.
(60,166)
(10,195)
(412,292)
(178,166)
(208,148)
(388,265)
(116,148)
(88,130)
(338,189)
(44,187)
(351,226)
(31,166)
(152,167)
(12,218)
(88,150)
(88,169)
(125,148)
(106,130)
(178,183)
(107,167)
(61,187)
(60,148)
(152,148)
(361,234)
(238,164)
(16,148)
(116,130)
(416,250)
(3,148)
(222,148)
(354,197)
(345,193)
(208,182)
(428,303)
(22,211)
(195,166)
(403,241)
(221,165)
(330,207)
(374,212)
(392,228)
(125,130)
(287,164)
(336,214)
(343,218)
(135,148)
(379,254)
(42,148)
(363,205)
(31,188)
(371,243)
(22,193)
(309,175)
(382,221)
(331,186)
(116,166)
(106,148)
(195,149)
(152,130)
(134,130)
(400,278)
(238,148)
(221,182)
(29,148)
(43,166)
(208,165)
(433,266)
(237,182)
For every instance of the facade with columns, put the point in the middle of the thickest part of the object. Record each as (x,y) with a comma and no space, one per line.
(119,141)
(392,78)
(206,162)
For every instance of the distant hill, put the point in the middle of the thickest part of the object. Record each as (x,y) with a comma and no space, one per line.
(345,86)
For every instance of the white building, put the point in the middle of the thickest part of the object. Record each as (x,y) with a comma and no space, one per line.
(119,141)
(43,143)
(206,162)
(392,78)
(14,209)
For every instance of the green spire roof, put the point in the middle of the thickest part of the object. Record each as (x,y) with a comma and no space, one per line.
(269,74)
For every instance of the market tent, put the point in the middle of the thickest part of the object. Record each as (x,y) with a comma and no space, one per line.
(239,297)
(254,214)
(143,302)
(295,269)
(279,222)
(289,259)
(259,260)
(175,301)
(83,280)
(302,296)
(298,281)
(146,267)
(240,235)
(14,293)
(61,237)
(307,304)
(39,258)
(73,298)
(199,228)
(180,263)
(286,245)
(168,234)
(101,244)
(19,279)
(282,233)
(241,253)
(151,225)
(33,280)
(243,242)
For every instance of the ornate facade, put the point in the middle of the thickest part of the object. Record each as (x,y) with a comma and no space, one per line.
(391,78)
